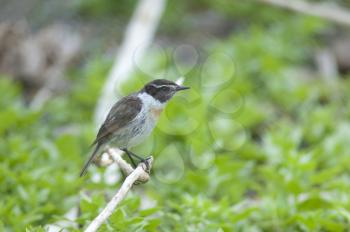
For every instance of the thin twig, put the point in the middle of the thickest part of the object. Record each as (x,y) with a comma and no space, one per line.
(140,174)
(115,155)
(328,11)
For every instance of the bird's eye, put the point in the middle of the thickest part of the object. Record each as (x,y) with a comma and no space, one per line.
(150,89)
(165,88)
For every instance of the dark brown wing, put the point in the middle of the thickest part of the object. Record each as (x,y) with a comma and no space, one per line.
(120,115)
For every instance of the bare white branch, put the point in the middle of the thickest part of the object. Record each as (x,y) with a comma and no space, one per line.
(115,155)
(180,80)
(138,175)
(327,11)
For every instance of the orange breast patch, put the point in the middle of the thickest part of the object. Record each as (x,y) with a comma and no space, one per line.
(156,112)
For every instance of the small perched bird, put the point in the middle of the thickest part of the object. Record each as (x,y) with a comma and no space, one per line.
(132,118)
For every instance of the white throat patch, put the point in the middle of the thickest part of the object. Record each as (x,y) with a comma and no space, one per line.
(149,101)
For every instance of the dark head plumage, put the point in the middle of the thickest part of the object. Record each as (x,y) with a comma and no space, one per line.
(162,90)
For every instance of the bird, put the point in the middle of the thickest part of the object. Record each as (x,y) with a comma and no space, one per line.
(132,119)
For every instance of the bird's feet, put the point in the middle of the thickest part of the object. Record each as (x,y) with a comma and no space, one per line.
(142,160)
(147,163)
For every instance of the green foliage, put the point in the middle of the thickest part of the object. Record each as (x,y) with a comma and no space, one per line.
(127,217)
(259,143)
(36,168)
(96,8)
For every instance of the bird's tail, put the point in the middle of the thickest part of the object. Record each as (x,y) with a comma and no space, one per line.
(92,157)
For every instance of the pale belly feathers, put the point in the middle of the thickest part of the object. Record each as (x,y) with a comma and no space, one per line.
(141,126)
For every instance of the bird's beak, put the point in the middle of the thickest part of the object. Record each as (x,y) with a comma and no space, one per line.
(179,88)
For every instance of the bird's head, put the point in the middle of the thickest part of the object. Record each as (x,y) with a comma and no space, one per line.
(162,90)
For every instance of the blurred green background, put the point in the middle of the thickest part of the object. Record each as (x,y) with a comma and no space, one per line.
(260,143)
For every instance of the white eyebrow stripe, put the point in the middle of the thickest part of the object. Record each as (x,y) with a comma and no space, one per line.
(160,86)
